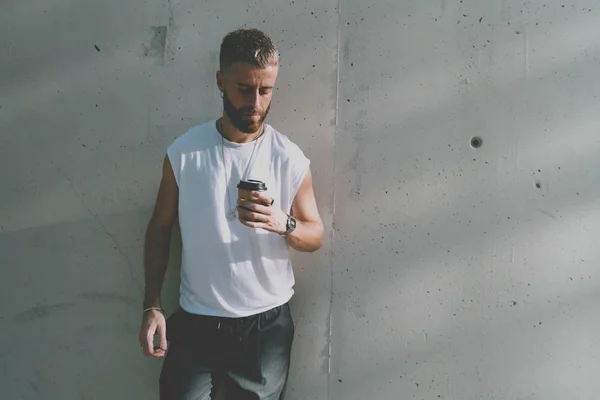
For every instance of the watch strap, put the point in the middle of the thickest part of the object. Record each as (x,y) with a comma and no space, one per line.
(289,227)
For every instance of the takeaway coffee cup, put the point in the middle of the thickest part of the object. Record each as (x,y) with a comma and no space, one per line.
(246,187)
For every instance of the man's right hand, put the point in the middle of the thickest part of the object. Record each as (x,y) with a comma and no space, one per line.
(153,323)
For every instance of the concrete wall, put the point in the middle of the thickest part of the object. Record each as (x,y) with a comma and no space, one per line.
(448,272)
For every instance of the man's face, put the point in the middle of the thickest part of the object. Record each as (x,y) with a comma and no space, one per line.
(247,92)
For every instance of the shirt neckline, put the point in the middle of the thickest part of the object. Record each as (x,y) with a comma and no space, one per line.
(230,144)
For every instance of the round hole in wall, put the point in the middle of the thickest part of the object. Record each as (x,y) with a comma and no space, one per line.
(476,142)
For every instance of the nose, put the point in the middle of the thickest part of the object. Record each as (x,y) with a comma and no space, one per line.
(256,100)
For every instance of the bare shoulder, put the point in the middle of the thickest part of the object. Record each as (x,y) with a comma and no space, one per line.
(167,200)
(304,205)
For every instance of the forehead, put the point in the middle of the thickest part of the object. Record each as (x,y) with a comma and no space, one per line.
(247,74)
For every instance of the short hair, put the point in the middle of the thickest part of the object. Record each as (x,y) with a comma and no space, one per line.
(251,46)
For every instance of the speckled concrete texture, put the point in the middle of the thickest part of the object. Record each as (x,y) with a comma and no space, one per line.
(455,147)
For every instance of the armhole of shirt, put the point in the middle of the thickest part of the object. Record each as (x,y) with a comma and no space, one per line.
(299,179)
(175,162)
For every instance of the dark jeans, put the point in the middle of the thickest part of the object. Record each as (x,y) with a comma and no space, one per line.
(249,355)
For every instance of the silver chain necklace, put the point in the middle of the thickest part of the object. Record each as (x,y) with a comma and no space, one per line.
(232,214)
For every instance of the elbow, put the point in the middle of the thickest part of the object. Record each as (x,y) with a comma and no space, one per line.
(313,247)
(318,243)
(310,240)
(317,246)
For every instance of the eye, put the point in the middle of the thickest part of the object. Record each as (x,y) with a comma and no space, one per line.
(265,92)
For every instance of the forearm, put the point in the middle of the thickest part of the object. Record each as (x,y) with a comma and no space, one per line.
(156,258)
(307,237)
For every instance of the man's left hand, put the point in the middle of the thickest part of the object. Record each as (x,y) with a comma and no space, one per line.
(261,213)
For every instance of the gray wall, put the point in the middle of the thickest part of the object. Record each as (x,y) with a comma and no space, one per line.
(448,272)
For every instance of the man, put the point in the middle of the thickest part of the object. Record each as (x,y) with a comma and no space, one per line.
(234,324)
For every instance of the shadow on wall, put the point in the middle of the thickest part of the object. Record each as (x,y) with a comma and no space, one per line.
(418,251)
(448,225)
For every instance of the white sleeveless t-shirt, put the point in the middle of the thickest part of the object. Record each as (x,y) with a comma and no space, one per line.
(228,269)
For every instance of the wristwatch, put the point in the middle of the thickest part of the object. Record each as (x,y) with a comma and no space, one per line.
(289,226)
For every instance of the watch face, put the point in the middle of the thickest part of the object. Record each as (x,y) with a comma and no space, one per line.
(292,223)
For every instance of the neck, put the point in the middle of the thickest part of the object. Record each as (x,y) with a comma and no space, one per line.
(231,133)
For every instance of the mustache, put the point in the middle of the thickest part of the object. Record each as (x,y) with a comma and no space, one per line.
(252,111)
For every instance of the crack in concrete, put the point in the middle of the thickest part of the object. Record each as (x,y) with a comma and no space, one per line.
(170,51)
(118,246)
(95,217)
(40,311)
(171,14)
(337,101)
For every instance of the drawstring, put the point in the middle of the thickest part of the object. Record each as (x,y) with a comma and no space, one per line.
(237,330)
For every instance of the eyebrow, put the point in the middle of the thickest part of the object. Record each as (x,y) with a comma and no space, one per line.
(250,86)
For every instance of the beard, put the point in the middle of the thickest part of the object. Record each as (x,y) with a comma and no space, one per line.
(240,120)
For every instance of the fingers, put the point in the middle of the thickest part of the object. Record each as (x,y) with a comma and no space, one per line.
(143,338)
(149,350)
(148,343)
(146,337)
(262,198)
(256,225)
(249,216)
(255,215)
(162,336)
(253,212)
(252,206)
(270,224)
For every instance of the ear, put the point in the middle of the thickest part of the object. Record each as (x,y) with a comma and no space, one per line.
(220,81)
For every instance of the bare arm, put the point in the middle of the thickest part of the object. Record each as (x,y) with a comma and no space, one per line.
(308,235)
(156,258)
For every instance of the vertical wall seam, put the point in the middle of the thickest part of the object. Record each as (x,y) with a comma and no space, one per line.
(335,135)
